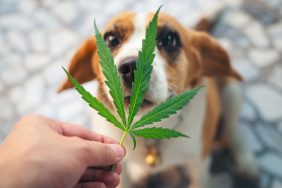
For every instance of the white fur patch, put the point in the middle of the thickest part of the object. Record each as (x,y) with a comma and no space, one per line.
(158,88)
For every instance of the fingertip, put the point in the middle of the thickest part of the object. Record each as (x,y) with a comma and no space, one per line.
(118,150)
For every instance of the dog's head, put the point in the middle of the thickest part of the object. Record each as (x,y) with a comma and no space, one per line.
(183,57)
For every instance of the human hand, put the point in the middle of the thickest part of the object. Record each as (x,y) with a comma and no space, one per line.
(42,152)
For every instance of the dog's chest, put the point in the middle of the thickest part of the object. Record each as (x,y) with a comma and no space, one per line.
(174,151)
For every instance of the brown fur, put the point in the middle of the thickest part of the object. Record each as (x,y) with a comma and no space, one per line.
(123,25)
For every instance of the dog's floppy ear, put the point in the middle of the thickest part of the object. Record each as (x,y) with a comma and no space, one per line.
(81,64)
(213,57)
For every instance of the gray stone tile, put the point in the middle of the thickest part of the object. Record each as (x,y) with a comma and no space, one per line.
(235,4)
(248,112)
(60,99)
(61,40)
(6,128)
(8,113)
(38,40)
(237,19)
(4,48)
(85,26)
(17,41)
(35,61)
(71,109)
(261,11)
(273,3)
(90,5)
(29,95)
(272,163)
(269,136)
(264,181)
(66,11)
(49,4)
(277,184)
(16,21)
(247,70)
(226,43)
(256,34)
(264,57)
(266,100)
(1,87)
(275,76)
(27,6)
(46,110)
(2,39)
(46,20)
(251,141)
(280,126)
(275,32)
(53,74)
(12,73)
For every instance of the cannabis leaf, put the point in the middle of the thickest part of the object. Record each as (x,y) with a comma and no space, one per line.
(157,133)
(140,86)
(167,108)
(110,72)
(144,68)
(94,102)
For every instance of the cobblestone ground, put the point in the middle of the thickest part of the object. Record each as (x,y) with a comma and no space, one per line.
(38,37)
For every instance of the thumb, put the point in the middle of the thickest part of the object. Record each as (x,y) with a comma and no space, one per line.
(102,154)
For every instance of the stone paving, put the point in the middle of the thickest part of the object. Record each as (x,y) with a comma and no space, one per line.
(38,37)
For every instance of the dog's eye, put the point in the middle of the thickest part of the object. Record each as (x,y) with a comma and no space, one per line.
(112,39)
(168,40)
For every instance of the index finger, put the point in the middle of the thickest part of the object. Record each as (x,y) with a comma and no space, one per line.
(68,129)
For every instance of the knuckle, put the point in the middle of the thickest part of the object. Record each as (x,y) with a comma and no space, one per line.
(84,149)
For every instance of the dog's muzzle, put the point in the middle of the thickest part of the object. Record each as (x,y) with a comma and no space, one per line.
(126,70)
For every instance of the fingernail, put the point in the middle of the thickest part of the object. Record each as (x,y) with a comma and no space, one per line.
(118,150)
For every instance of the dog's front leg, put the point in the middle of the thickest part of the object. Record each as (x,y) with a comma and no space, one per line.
(195,167)
(132,174)
(125,179)
(231,104)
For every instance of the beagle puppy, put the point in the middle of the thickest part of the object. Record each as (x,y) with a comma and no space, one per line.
(185,58)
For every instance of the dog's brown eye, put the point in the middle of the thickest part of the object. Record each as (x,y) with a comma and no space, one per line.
(112,39)
(168,40)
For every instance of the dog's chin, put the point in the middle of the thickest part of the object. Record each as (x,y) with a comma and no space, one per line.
(146,104)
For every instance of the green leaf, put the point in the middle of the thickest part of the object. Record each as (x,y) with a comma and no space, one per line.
(157,133)
(109,69)
(93,102)
(133,140)
(144,68)
(167,108)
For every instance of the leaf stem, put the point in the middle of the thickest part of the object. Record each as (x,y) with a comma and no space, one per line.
(123,137)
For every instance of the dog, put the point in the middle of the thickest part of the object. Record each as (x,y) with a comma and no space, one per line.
(185,58)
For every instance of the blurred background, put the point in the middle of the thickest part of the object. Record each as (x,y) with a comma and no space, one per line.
(38,37)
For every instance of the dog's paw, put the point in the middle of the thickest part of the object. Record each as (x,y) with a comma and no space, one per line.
(247,165)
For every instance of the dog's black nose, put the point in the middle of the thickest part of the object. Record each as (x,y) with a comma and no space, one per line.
(126,70)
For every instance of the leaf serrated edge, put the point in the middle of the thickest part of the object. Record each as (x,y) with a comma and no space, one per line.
(141,122)
(116,93)
(133,108)
(167,133)
(93,102)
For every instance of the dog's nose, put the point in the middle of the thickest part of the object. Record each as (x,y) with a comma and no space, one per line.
(126,70)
